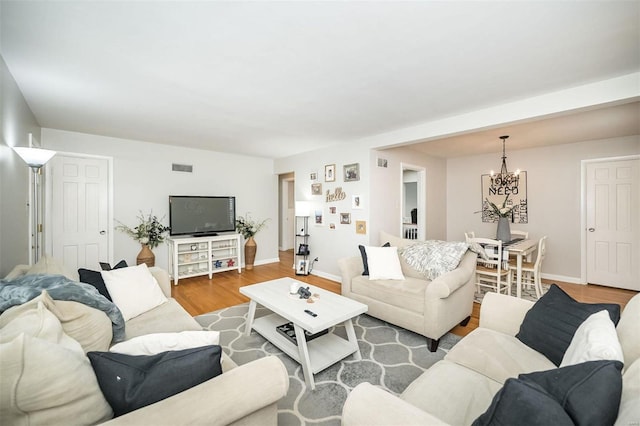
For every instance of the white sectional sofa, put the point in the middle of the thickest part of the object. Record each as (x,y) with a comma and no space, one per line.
(241,395)
(460,388)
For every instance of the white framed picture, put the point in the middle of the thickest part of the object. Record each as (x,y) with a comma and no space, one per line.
(301,267)
(356,202)
(330,173)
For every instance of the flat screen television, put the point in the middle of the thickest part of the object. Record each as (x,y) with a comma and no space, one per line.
(201,216)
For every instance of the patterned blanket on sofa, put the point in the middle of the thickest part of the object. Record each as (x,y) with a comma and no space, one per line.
(22,289)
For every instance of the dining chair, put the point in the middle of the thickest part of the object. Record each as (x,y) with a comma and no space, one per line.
(519,234)
(531,270)
(492,271)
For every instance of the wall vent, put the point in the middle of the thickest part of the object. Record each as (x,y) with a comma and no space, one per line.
(182,168)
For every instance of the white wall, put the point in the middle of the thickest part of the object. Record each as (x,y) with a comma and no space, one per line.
(380,192)
(386,190)
(329,245)
(143,181)
(17,122)
(553,192)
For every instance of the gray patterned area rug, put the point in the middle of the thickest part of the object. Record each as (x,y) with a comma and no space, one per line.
(392,358)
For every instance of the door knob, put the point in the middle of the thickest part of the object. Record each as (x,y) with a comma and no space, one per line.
(103,232)
(591,229)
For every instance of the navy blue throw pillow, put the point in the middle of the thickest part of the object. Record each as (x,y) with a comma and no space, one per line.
(129,382)
(586,394)
(589,392)
(521,403)
(550,324)
(365,262)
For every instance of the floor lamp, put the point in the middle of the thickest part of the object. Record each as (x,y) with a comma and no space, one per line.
(35,159)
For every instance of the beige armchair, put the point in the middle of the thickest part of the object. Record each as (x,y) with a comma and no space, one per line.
(429,308)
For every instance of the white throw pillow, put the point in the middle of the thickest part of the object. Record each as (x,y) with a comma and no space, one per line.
(41,323)
(595,339)
(384,263)
(151,344)
(46,378)
(134,290)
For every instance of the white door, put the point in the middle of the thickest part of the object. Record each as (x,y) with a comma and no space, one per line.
(613,222)
(79,206)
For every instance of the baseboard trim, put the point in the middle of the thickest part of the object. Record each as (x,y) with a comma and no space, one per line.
(563,278)
(266,261)
(327,276)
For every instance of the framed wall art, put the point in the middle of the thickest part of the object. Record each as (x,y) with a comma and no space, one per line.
(313,176)
(361,226)
(316,189)
(345,218)
(517,197)
(352,172)
(330,173)
(301,268)
(356,202)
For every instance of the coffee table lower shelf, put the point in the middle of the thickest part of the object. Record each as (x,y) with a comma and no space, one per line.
(324,351)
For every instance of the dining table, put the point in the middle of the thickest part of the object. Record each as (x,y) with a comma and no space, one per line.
(521,249)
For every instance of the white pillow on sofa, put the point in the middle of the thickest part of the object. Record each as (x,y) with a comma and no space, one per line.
(384,263)
(595,339)
(46,378)
(151,344)
(134,290)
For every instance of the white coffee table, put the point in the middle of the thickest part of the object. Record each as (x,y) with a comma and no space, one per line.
(331,309)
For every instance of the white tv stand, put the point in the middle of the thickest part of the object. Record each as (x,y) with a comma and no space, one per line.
(195,256)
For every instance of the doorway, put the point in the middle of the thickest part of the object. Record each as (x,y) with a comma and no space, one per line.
(286,211)
(611,238)
(412,211)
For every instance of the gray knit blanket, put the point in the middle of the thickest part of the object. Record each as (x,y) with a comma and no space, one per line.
(22,289)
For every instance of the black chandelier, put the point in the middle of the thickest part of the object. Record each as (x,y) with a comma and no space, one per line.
(505,178)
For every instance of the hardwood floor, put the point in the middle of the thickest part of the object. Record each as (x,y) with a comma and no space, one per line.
(200,295)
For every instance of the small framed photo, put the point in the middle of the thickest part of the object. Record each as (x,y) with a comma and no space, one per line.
(332,226)
(301,267)
(352,172)
(356,202)
(345,218)
(318,217)
(361,226)
(316,189)
(330,173)
(332,210)
(313,176)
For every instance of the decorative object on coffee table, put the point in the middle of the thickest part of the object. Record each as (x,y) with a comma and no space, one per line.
(249,227)
(149,233)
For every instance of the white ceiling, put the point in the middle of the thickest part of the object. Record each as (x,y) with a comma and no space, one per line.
(278,78)
(602,123)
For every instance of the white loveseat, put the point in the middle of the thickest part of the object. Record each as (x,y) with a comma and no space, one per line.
(458,389)
(429,308)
